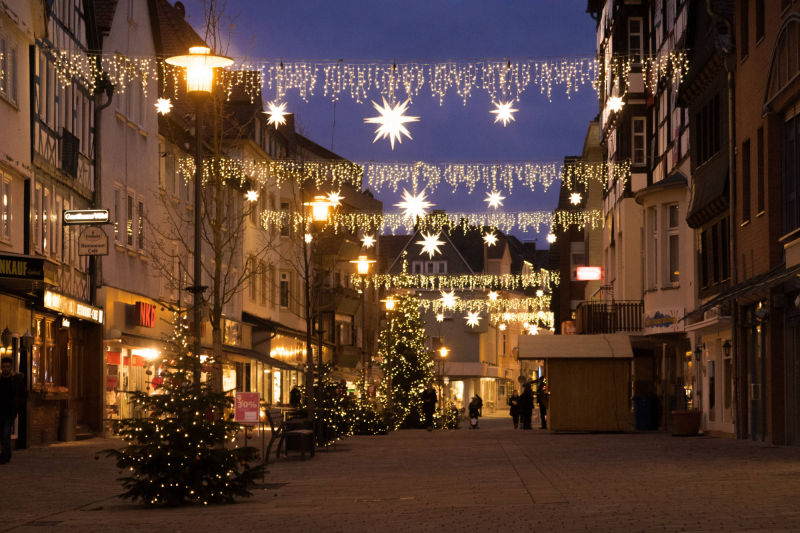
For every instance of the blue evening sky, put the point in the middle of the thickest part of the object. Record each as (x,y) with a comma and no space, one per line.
(357,30)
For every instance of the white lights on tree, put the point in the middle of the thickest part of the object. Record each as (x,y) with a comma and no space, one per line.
(414,205)
(448,299)
(251,196)
(430,244)
(368,241)
(277,114)
(551,238)
(615,103)
(575,198)
(163,106)
(391,122)
(504,112)
(490,239)
(473,319)
(494,199)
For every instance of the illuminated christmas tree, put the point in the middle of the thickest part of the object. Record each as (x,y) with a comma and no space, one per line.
(182,450)
(406,363)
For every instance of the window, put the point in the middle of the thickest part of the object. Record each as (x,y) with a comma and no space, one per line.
(418,267)
(790,174)
(285,219)
(746,188)
(262,278)
(635,37)
(140,229)
(714,250)
(761,192)
(37,218)
(8,65)
(673,244)
(251,265)
(344,330)
(5,210)
(45,220)
(117,215)
(284,289)
(652,248)
(759,20)
(744,29)
(57,232)
(639,151)
(707,134)
(577,257)
(272,301)
(129,222)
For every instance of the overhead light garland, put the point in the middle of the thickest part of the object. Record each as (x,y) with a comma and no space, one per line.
(510,304)
(544,318)
(451,282)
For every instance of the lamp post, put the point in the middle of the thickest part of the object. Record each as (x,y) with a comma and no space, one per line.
(362,267)
(389,304)
(199,64)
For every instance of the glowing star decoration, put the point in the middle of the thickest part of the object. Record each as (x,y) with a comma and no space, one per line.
(391,122)
(575,198)
(492,296)
(551,238)
(504,112)
(368,241)
(615,103)
(308,238)
(439,317)
(163,105)
(494,199)
(430,244)
(251,196)
(501,327)
(448,299)
(277,114)
(533,329)
(414,206)
(473,319)
(335,199)
(539,293)
(490,239)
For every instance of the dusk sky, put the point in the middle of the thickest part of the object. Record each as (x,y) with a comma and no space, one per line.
(359,30)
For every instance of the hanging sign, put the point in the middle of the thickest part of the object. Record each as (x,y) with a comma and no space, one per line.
(93,241)
(85,216)
(247,408)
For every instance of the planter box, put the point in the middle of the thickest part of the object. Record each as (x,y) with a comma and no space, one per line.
(686,423)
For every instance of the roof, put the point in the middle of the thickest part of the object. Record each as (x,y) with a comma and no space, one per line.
(104,14)
(614,346)
(390,247)
(172,33)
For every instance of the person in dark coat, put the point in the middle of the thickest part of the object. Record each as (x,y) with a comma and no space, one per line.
(295,397)
(12,400)
(513,408)
(526,406)
(543,398)
(429,400)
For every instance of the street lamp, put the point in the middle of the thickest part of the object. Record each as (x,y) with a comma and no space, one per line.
(199,64)
(443,352)
(320,208)
(362,267)
(390,303)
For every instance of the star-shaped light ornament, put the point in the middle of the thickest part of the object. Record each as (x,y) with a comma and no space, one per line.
(495,199)
(575,198)
(473,319)
(368,241)
(439,317)
(448,299)
(414,205)
(615,103)
(533,329)
(163,106)
(490,239)
(492,296)
(335,198)
(551,238)
(430,244)
(277,114)
(251,196)
(391,121)
(504,112)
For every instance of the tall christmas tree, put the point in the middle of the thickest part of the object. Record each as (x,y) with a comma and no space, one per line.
(406,363)
(182,450)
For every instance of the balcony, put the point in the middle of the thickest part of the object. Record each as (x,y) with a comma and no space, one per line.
(609,317)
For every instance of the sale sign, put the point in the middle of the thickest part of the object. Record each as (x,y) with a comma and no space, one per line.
(247,407)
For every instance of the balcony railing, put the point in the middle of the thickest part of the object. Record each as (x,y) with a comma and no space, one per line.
(609,316)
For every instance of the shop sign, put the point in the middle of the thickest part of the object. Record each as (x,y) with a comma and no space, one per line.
(589,273)
(85,216)
(247,407)
(71,307)
(93,241)
(23,267)
(662,321)
(145,315)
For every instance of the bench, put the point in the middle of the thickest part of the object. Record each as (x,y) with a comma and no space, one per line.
(298,431)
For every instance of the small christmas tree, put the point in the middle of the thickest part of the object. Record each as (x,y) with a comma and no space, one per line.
(407,366)
(177,453)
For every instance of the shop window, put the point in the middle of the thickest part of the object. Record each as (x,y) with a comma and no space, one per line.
(48,362)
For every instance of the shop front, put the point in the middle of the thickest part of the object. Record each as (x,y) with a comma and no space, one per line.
(288,352)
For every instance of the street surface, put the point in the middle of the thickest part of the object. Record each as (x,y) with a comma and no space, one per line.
(491,479)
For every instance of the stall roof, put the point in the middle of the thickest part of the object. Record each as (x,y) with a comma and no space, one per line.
(575,346)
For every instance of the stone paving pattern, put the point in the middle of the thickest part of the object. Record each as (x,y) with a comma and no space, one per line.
(490,479)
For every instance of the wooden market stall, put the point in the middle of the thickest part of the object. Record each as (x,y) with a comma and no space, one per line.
(588,377)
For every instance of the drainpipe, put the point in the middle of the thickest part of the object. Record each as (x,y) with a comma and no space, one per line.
(733,273)
(95,261)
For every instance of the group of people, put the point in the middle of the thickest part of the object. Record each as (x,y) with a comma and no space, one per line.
(429,400)
(521,405)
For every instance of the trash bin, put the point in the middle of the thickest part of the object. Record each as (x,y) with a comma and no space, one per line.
(645,413)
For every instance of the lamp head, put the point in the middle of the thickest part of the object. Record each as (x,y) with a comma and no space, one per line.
(199,64)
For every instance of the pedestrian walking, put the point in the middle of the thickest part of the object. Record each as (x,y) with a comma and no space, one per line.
(513,408)
(12,401)
(526,406)
(475,411)
(295,397)
(543,398)
(429,400)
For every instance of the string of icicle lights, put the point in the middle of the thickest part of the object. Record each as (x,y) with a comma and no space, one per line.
(543,278)
(500,79)
(539,318)
(418,175)
(501,305)
(525,221)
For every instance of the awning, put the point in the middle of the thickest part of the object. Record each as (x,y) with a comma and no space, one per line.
(612,346)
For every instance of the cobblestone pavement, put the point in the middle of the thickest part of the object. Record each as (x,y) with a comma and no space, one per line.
(491,479)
